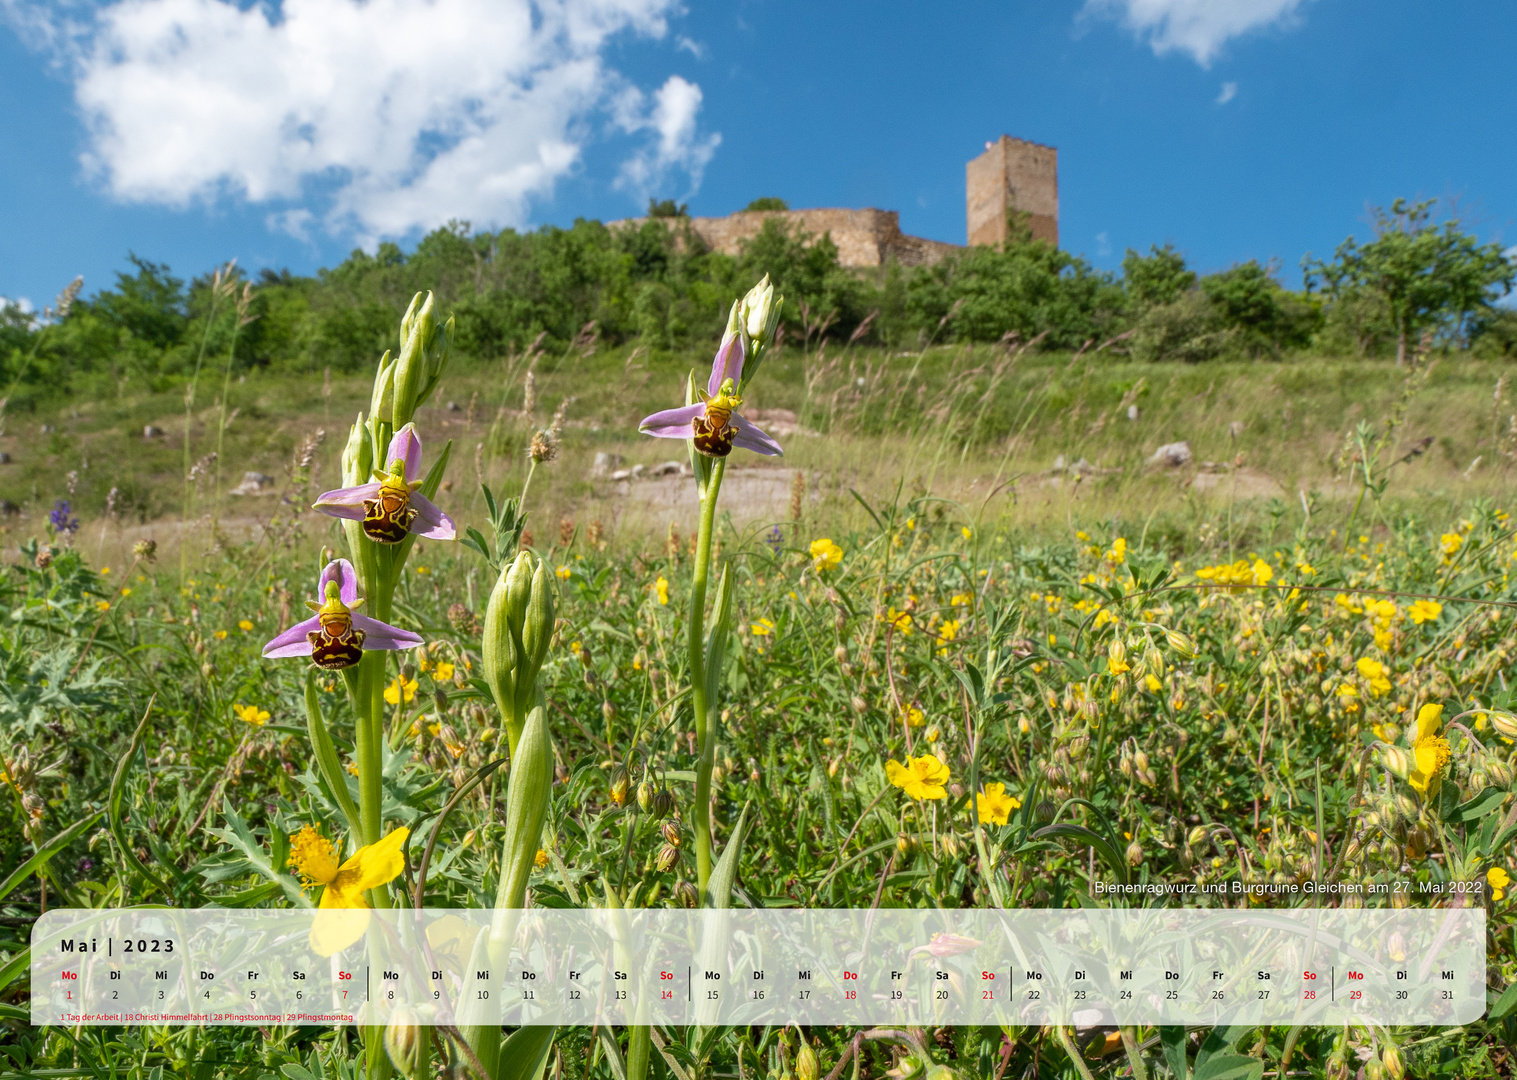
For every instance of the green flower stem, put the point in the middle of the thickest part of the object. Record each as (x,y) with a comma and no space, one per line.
(704,736)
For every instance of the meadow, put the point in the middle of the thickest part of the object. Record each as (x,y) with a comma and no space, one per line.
(1220,670)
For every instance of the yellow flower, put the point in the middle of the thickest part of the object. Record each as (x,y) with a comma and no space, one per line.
(911,523)
(540,860)
(1423,611)
(125,593)
(825,555)
(967,532)
(398,686)
(102,605)
(1118,552)
(763,628)
(913,716)
(1383,610)
(1450,543)
(315,859)
(1080,534)
(920,778)
(901,620)
(1430,750)
(423,570)
(1374,672)
(964,599)
(104,570)
(662,585)
(251,714)
(444,672)
(949,630)
(1498,879)
(563,573)
(245,625)
(219,635)
(1153,684)
(995,806)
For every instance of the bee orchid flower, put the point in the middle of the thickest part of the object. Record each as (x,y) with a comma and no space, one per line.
(713,422)
(390,507)
(336,637)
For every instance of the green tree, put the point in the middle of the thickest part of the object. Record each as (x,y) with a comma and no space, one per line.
(768,202)
(1267,316)
(1430,277)
(1156,278)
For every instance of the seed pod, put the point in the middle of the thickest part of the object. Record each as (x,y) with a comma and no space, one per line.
(840,654)
(1135,854)
(1336,1066)
(905,846)
(1499,771)
(671,832)
(933,733)
(1198,836)
(668,855)
(685,893)
(1504,723)
(1394,1067)
(663,804)
(859,704)
(619,785)
(1181,643)
(1373,1070)
(405,1041)
(1044,811)
(440,699)
(1396,760)
(646,794)
(807,1067)
(607,711)
(951,845)
(1140,760)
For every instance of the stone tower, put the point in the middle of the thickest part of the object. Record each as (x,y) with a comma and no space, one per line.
(1012,177)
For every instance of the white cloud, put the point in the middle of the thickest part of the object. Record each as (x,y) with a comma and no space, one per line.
(20,303)
(1229,91)
(694,48)
(383,115)
(1197,27)
(679,145)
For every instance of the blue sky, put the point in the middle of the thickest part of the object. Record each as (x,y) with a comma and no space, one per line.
(193,131)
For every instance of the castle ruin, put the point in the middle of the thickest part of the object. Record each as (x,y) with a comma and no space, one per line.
(1013,178)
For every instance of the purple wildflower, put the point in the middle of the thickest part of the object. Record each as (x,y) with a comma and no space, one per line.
(336,637)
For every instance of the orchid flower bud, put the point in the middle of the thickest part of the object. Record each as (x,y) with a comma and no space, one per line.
(499,653)
(411,364)
(528,792)
(437,350)
(382,400)
(405,1042)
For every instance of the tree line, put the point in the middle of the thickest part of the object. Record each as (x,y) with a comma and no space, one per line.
(1416,284)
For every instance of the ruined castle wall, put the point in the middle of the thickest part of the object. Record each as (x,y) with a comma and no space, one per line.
(867,237)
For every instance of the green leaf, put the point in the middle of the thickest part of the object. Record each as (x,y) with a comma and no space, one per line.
(716,641)
(1499,1008)
(1230,1067)
(241,838)
(1104,849)
(524,1055)
(118,790)
(297,1072)
(724,873)
(328,762)
(22,961)
(1172,1039)
(46,852)
(1486,802)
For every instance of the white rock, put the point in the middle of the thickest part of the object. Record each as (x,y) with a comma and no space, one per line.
(622,474)
(604,464)
(668,468)
(253,483)
(152,431)
(638,470)
(1172,455)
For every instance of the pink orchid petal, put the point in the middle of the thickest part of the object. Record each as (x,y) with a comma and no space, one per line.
(293,642)
(671,423)
(728,364)
(380,636)
(346,502)
(431,522)
(749,437)
(405,446)
(340,571)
